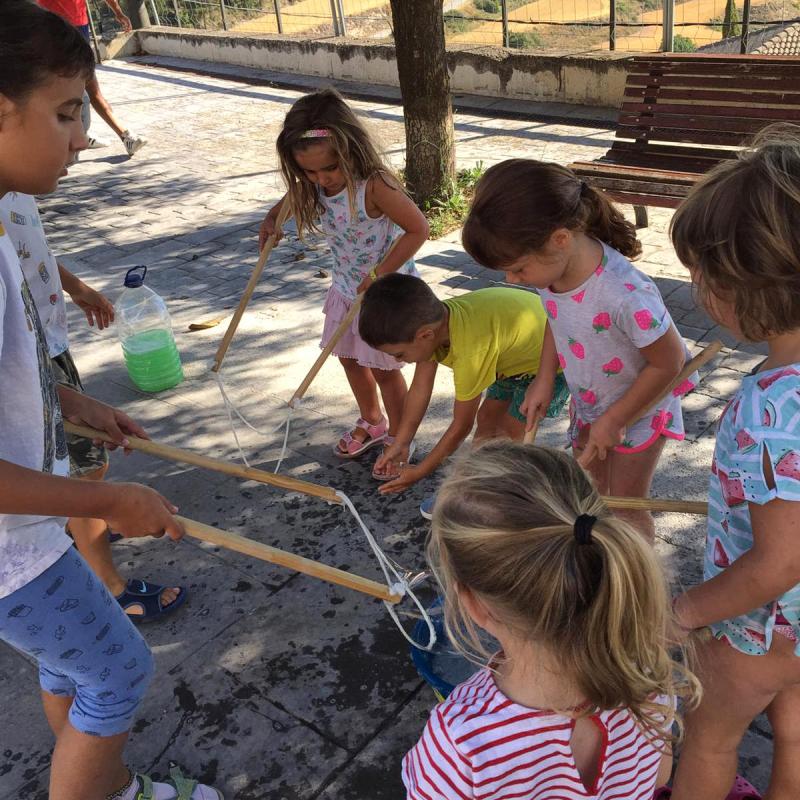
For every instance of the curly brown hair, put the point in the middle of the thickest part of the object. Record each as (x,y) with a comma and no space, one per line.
(739,232)
(519,203)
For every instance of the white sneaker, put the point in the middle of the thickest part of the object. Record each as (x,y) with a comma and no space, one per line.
(96,144)
(133,143)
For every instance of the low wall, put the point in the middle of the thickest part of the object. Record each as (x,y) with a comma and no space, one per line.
(595,79)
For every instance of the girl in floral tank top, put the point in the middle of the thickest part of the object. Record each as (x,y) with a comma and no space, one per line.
(339,185)
(608,328)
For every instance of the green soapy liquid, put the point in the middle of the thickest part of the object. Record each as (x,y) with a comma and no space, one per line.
(153,361)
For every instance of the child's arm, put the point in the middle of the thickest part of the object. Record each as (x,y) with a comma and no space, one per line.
(464,413)
(96,306)
(130,508)
(268,225)
(762,574)
(540,392)
(665,358)
(385,197)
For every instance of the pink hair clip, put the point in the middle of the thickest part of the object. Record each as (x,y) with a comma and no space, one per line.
(316,133)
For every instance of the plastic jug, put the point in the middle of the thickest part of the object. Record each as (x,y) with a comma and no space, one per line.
(145,333)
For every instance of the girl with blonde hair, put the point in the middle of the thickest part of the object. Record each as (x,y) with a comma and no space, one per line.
(580,699)
(338,183)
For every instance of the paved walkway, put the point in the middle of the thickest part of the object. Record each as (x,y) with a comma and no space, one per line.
(270,684)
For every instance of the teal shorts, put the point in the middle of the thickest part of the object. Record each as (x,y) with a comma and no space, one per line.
(512,390)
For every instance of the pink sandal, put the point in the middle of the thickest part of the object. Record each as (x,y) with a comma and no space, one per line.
(742,790)
(353,447)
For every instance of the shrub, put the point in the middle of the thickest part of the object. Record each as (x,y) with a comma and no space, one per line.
(488,6)
(527,40)
(683,44)
(456,22)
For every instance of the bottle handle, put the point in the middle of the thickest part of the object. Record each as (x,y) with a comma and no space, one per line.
(133,269)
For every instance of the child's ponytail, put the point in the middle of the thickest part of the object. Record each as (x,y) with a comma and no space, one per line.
(605,222)
(522,528)
(519,203)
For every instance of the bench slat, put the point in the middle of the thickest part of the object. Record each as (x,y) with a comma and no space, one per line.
(791,99)
(692,122)
(764,114)
(600,170)
(721,83)
(682,135)
(714,153)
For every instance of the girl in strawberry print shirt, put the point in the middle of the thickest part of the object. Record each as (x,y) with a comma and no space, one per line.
(738,233)
(338,184)
(608,328)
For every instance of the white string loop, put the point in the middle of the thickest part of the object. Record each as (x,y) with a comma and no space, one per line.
(394,580)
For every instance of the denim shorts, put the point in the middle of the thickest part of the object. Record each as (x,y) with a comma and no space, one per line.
(85,645)
(512,390)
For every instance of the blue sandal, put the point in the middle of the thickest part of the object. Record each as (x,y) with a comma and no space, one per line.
(148,597)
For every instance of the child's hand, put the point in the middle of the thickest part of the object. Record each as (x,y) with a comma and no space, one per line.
(605,433)
(409,475)
(395,454)
(538,397)
(96,306)
(83,410)
(267,229)
(365,284)
(137,510)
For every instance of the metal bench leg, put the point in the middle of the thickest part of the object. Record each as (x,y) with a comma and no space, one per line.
(641,216)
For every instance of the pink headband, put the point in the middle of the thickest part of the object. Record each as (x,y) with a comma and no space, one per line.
(316,133)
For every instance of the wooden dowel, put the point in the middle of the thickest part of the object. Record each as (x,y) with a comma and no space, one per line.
(656,504)
(337,334)
(249,547)
(327,350)
(283,215)
(703,357)
(530,436)
(216,464)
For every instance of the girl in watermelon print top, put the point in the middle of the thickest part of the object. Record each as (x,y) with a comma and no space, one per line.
(608,328)
(738,232)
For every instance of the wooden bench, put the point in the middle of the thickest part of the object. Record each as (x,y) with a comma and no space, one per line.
(681,115)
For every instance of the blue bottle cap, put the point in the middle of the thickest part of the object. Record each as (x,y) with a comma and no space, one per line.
(133,280)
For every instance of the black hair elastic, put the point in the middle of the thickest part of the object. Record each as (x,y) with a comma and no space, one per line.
(583,528)
(584,188)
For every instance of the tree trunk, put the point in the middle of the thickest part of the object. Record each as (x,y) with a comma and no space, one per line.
(425,88)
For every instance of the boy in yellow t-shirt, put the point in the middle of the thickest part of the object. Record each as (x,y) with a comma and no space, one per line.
(490,338)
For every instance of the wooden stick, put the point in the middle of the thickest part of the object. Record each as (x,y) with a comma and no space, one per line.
(530,436)
(195,459)
(703,357)
(283,215)
(656,504)
(337,334)
(327,350)
(249,547)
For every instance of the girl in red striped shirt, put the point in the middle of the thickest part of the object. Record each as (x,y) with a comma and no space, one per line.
(580,700)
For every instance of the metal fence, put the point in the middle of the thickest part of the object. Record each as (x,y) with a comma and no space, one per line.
(567,26)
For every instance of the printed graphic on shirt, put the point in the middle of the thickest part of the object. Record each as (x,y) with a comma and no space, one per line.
(759,424)
(55,442)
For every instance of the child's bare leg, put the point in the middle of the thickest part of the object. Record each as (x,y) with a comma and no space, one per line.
(628,475)
(365,390)
(84,766)
(736,688)
(92,542)
(393,391)
(784,717)
(490,420)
